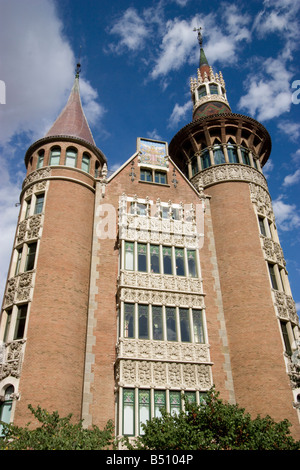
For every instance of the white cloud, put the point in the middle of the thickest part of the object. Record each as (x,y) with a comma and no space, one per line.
(292,178)
(38,68)
(286,215)
(291,129)
(179,113)
(132,30)
(268,91)
(268,168)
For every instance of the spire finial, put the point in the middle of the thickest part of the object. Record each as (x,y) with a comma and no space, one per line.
(78,66)
(199,35)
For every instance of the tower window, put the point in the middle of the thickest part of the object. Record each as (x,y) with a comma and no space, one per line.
(214,90)
(40,161)
(39,203)
(286,339)
(55,156)
(7,325)
(219,156)
(202,91)
(245,156)
(205,159)
(262,226)
(85,164)
(71,157)
(232,154)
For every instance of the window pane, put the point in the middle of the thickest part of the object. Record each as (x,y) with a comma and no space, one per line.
(85,164)
(128,320)
(191,397)
(142,257)
(71,157)
(144,408)
(28,205)
(21,320)
(198,326)
(286,339)
(154,258)
(30,257)
(184,325)
(262,226)
(141,209)
(160,177)
(39,203)
(165,212)
(167,260)
(7,325)
(273,276)
(194,165)
(159,402)
(175,402)
(129,256)
(232,154)
(157,322)
(179,259)
(219,156)
(245,156)
(205,159)
(128,412)
(171,324)
(55,156)
(19,256)
(201,91)
(40,161)
(214,89)
(146,175)
(143,322)
(191,256)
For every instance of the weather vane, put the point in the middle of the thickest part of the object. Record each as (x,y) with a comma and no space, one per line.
(78,67)
(199,35)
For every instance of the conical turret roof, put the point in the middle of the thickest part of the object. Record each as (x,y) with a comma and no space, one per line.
(72,121)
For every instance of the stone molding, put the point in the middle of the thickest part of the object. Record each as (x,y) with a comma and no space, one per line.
(229,172)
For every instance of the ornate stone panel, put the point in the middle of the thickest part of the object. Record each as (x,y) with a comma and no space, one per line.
(229,172)
(141,374)
(262,200)
(272,250)
(37,175)
(18,288)
(29,229)
(163,351)
(159,282)
(286,307)
(11,362)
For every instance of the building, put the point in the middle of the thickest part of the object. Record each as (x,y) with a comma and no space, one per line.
(165,277)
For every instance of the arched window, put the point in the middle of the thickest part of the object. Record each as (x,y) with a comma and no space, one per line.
(71,157)
(85,164)
(40,161)
(55,156)
(6,406)
(202,91)
(214,90)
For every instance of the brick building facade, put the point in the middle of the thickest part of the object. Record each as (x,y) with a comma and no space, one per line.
(165,277)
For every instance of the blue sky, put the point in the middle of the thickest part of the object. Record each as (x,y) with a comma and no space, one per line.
(137,58)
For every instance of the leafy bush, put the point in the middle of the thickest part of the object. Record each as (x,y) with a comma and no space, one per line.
(214,425)
(55,433)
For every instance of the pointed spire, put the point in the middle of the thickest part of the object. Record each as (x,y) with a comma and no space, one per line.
(203,63)
(72,121)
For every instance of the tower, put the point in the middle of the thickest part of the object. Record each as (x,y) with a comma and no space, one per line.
(43,323)
(222,153)
(126,291)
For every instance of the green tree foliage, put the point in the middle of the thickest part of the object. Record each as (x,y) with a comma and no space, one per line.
(56,433)
(214,425)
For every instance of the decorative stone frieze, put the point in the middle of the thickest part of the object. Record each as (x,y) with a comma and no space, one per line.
(159,282)
(161,298)
(151,350)
(12,359)
(286,307)
(37,175)
(272,250)
(184,376)
(229,172)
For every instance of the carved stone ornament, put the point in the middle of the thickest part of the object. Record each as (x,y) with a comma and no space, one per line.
(273,251)
(37,175)
(262,200)
(12,362)
(229,172)
(29,228)
(141,374)
(286,307)
(18,288)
